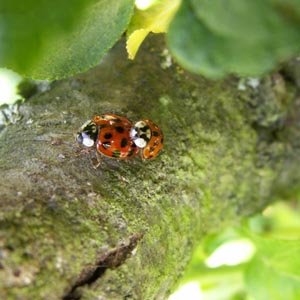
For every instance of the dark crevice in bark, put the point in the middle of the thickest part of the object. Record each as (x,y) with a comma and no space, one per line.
(110,260)
(290,71)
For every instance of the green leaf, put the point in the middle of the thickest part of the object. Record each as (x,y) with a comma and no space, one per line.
(274,273)
(191,43)
(155,19)
(58,38)
(215,38)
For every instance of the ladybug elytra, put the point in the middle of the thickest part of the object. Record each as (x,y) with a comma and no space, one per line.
(116,137)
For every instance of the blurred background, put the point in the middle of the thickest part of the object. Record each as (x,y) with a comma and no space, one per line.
(257,260)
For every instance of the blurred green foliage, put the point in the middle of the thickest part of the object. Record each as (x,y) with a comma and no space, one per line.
(59,38)
(271,272)
(245,37)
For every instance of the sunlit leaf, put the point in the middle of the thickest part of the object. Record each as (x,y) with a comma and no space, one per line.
(272,273)
(8,86)
(155,19)
(275,271)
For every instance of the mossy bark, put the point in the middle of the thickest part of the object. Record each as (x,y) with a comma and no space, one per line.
(126,229)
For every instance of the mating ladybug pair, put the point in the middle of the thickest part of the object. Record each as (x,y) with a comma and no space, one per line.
(117,137)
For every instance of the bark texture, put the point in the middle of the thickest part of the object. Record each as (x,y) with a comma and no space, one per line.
(126,230)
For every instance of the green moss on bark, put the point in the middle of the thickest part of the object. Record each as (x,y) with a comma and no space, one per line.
(225,151)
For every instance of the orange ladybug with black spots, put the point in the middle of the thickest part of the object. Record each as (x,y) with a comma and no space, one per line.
(116,137)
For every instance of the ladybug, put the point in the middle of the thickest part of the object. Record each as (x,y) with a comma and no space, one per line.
(148,137)
(117,137)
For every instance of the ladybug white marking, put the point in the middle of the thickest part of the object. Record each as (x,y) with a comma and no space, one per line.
(141,143)
(140,134)
(86,140)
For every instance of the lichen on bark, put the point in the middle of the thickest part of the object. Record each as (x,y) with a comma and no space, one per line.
(227,154)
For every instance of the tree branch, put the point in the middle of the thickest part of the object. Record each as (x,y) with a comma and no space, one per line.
(126,230)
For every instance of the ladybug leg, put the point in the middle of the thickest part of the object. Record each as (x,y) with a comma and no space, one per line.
(97,162)
(141,155)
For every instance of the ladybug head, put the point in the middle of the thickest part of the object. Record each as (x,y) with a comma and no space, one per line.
(87,135)
(140,134)
(148,137)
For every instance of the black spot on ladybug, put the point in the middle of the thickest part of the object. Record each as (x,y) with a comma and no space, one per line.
(106,145)
(152,149)
(116,153)
(117,120)
(133,145)
(144,136)
(120,129)
(155,133)
(124,142)
(145,128)
(108,135)
(150,156)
